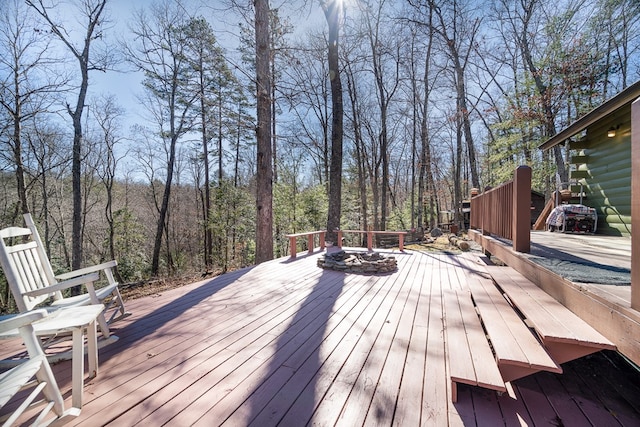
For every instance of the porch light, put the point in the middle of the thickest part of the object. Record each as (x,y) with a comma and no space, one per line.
(612,131)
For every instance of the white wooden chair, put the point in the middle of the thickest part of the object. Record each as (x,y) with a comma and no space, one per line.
(32,281)
(44,392)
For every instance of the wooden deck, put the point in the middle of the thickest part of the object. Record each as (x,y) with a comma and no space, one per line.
(606,307)
(287,343)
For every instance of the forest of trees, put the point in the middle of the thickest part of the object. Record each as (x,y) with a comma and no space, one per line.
(436,97)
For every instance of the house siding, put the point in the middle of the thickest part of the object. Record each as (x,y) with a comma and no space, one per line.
(606,172)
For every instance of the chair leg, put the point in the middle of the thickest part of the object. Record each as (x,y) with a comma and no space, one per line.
(77,368)
(92,349)
(120,302)
(44,374)
(115,307)
(104,327)
(51,390)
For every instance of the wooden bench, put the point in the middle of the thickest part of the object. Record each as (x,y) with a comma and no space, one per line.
(370,234)
(310,238)
(564,335)
(471,360)
(517,351)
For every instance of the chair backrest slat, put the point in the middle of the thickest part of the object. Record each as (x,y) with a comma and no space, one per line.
(19,263)
(35,278)
(21,247)
(8,232)
(38,270)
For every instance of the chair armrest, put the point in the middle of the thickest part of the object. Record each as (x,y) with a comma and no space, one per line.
(60,286)
(87,270)
(8,323)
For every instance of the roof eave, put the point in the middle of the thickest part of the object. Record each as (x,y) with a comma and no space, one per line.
(625,97)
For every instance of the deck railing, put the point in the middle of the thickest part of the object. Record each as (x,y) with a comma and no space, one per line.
(505,211)
(370,234)
(310,235)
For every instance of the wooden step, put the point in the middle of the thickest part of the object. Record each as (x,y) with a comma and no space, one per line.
(541,223)
(565,335)
(517,350)
(471,360)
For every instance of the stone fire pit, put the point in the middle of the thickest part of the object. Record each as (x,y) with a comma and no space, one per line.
(358,262)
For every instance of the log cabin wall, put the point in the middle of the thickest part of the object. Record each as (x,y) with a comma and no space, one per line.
(603,165)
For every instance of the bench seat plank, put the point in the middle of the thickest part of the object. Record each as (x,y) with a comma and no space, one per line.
(517,350)
(565,335)
(471,360)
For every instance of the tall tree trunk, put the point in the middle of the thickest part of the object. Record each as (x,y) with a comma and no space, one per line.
(208,238)
(220,141)
(425,178)
(274,136)
(164,207)
(463,111)
(264,184)
(384,96)
(76,173)
(332,10)
(414,134)
(457,195)
(360,152)
(17,156)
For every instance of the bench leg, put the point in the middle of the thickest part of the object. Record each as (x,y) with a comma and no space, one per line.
(292,246)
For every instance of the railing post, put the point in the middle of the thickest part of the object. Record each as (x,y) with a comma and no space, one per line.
(292,246)
(321,240)
(310,242)
(339,238)
(401,241)
(369,240)
(521,230)
(484,211)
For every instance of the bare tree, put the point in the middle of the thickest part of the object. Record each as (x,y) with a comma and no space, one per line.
(521,21)
(307,93)
(360,148)
(26,80)
(48,156)
(93,11)
(108,116)
(426,184)
(459,34)
(383,48)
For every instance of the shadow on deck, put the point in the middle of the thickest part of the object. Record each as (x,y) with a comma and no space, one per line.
(287,343)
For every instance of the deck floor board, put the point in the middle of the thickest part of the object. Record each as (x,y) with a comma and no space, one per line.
(287,343)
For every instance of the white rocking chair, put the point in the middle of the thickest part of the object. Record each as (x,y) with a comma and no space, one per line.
(32,281)
(45,387)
